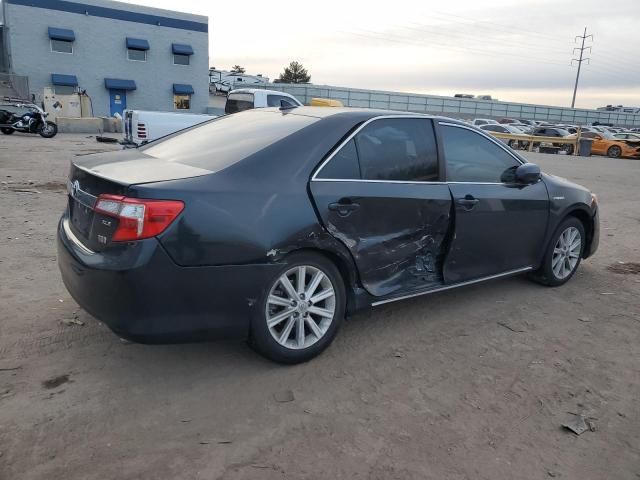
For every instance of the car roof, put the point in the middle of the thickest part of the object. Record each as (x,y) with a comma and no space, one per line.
(256,90)
(355,112)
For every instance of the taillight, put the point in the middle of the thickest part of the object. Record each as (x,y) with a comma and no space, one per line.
(138,217)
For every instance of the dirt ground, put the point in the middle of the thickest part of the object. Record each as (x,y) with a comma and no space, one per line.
(469,384)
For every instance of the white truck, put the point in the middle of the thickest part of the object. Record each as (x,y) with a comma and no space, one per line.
(141,126)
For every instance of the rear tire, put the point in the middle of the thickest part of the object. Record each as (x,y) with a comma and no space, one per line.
(7,131)
(300,311)
(562,258)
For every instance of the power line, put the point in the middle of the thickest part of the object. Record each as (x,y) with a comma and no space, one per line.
(581,59)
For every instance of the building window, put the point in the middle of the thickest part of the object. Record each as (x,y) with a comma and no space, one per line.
(179,59)
(64,89)
(136,55)
(182,102)
(61,46)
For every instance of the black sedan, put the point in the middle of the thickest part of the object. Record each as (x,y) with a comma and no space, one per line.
(274,224)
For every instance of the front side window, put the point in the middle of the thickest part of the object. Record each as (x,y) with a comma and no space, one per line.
(179,59)
(182,102)
(398,149)
(136,55)
(61,46)
(473,158)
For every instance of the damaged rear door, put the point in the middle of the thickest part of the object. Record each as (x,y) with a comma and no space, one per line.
(380,194)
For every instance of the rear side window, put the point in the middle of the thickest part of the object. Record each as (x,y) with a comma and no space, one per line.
(344,165)
(280,101)
(398,149)
(238,102)
(473,158)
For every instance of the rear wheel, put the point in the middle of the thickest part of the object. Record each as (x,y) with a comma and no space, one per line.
(7,131)
(614,151)
(301,311)
(563,254)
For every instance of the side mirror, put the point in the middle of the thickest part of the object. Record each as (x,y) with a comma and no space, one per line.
(598,137)
(527,173)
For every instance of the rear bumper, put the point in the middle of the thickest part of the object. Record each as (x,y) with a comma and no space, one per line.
(142,295)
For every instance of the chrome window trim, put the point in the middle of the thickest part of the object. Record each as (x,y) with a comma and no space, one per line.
(454,285)
(491,138)
(352,135)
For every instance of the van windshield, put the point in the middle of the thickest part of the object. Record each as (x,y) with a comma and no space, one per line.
(217,144)
(238,102)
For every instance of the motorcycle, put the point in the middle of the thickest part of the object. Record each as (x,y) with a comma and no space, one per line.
(32,121)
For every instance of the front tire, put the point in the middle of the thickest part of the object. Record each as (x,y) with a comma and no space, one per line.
(564,253)
(50,131)
(6,130)
(301,310)
(614,152)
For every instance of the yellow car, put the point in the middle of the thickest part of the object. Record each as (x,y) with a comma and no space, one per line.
(604,143)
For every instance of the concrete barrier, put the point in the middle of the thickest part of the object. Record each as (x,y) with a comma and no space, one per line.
(80,125)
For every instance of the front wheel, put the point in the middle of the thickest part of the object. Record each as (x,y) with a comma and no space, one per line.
(49,131)
(614,151)
(563,254)
(7,130)
(301,310)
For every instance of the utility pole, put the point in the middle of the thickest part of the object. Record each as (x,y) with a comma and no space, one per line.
(582,48)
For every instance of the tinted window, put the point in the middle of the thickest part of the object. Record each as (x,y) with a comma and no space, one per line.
(238,102)
(344,164)
(398,149)
(61,46)
(473,158)
(180,59)
(216,144)
(137,55)
(280,101)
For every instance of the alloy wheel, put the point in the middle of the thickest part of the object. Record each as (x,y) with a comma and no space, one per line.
(300,307)
(566,253)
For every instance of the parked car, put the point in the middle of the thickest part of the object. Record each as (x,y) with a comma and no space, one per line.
(274,224)
(483,121)
(531,123)
(248,98)
(508,120)
(142,126)
(507,128)
(554,132)
(605,143)
(627,136)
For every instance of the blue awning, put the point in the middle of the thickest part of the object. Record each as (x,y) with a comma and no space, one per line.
(64,80)
(180,49)
(182,89)
(61,34)
(137,44)
(119,84)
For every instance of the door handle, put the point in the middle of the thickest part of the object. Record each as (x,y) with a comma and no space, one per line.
(468,202)
(343,208)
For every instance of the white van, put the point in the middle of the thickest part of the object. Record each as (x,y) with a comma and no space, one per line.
(248,98)
(141,126)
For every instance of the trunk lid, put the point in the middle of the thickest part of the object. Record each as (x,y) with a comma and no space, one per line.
(112,173)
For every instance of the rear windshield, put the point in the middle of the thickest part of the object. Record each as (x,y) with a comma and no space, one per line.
(224,141)
(238,102)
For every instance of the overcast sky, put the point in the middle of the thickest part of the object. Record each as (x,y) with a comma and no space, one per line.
(512,50)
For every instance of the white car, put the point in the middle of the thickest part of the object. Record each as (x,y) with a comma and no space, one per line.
(483,121)
(248,98)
